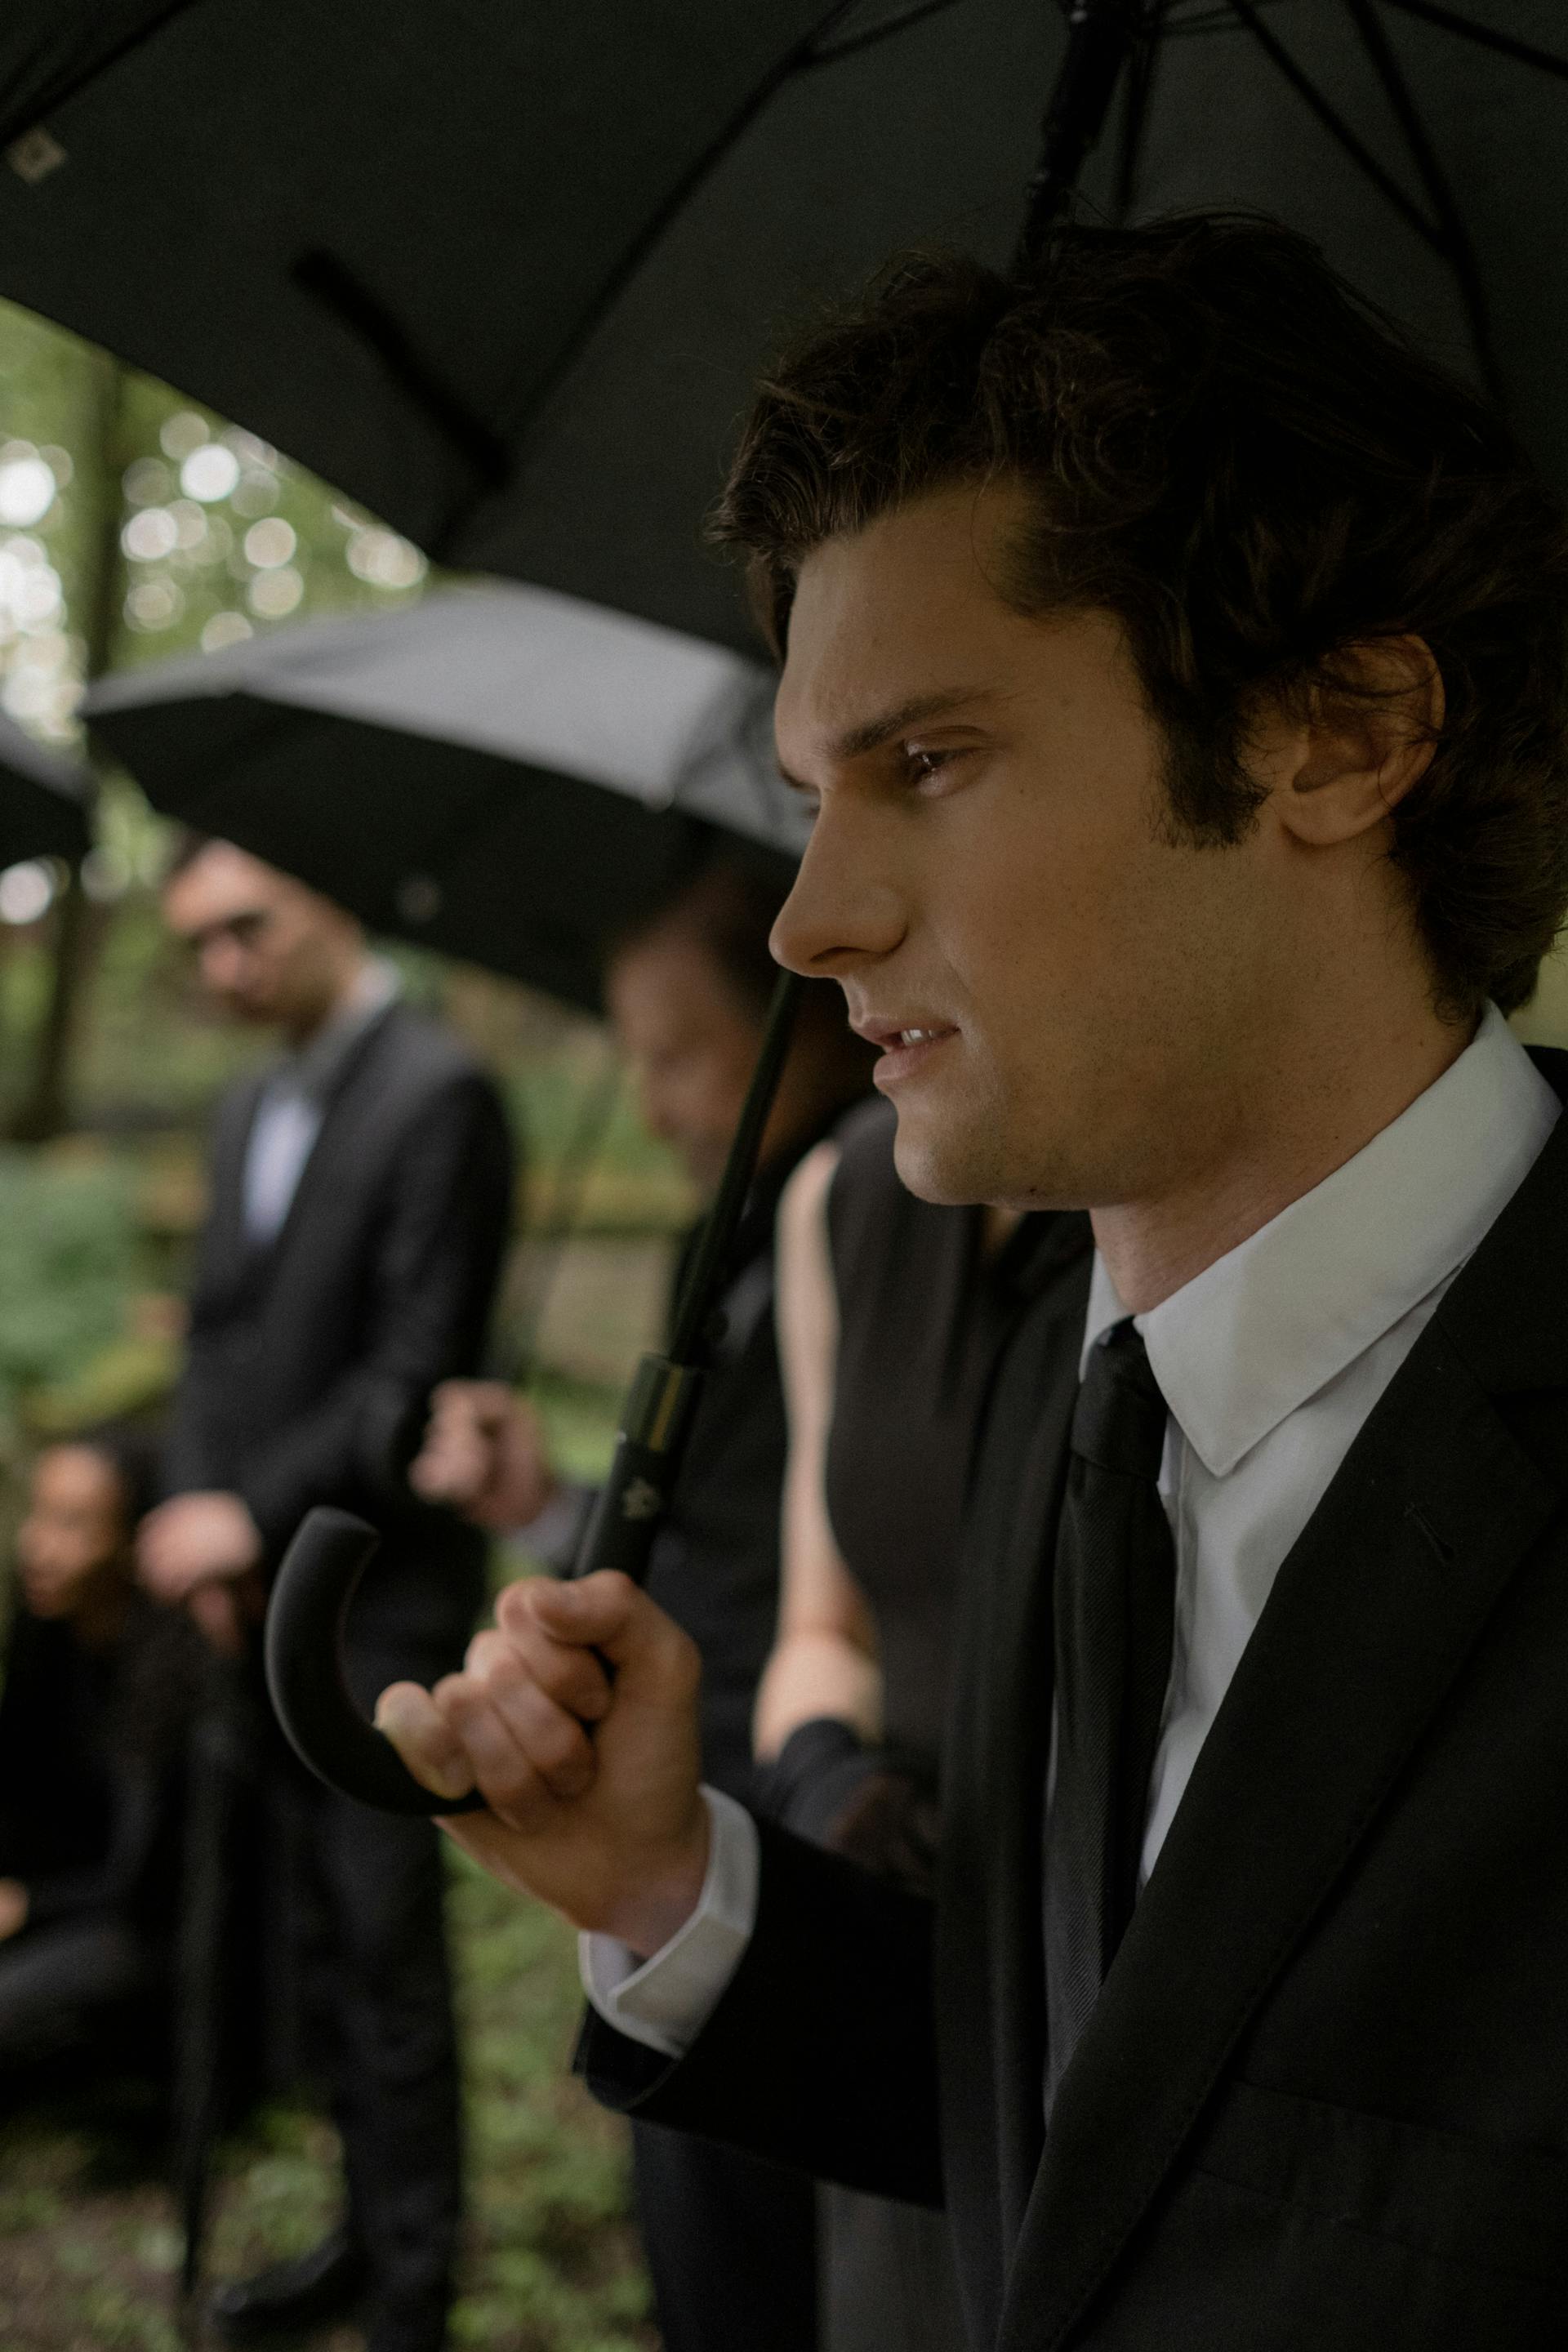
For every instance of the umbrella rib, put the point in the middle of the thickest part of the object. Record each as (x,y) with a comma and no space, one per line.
(1140,82)
(326,278)
(858,41)
(23,118)
(1337,128)
(1460,254)
(1507,45)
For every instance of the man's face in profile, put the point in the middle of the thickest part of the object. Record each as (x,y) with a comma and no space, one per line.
(267,949)
(993,867)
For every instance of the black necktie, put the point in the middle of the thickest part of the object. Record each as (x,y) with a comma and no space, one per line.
(1114,1600)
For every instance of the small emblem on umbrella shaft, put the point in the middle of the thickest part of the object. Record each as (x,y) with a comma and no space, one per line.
(642,1500)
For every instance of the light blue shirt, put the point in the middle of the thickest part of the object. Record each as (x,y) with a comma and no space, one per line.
(294,1103)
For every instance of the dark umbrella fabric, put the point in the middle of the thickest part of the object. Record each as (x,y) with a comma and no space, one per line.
(503,273)
(509,776)
(45,799)
(506,273)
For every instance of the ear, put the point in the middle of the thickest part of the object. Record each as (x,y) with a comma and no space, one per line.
(1341,769)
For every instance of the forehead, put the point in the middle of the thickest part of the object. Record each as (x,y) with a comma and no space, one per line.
(911,603)
(76,1477)
(222,881)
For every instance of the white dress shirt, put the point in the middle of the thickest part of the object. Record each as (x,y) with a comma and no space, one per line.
(294,1099)
(1269,1362)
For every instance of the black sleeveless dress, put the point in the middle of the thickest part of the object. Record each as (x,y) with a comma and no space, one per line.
(730,2241)
(924,1315)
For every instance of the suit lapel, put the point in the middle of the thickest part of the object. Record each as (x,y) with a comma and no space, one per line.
(1369,1625)
(225,1250)
(336,1128)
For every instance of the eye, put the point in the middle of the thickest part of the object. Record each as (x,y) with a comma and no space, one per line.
(925,767)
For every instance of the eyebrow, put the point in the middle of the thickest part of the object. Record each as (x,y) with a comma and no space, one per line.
(872,733)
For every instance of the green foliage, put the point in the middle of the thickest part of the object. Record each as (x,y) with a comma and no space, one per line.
(71,1256)
(169,526)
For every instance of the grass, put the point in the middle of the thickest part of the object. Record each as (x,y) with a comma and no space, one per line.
(89,2251)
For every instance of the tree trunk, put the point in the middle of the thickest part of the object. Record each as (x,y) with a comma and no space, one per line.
(45,1109)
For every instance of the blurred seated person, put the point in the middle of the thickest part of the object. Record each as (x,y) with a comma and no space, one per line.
(99,1684)
(730,2241)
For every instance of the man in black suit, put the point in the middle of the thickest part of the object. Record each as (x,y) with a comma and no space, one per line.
(361,1197)
(1179,667)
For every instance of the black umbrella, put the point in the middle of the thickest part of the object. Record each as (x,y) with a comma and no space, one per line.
(504,774)
(44,799)
(506,273)
(503,273)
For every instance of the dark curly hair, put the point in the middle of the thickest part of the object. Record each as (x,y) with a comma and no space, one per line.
(1254,471)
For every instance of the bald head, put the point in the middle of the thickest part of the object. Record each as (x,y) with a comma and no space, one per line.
(268,950)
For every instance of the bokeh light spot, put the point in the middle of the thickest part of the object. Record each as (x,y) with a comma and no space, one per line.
(148,482)
(153,605)
(151,535)
(209,473)
(182,432)
(270,543)
(226,629)
(27,487)
(272,594)
(27,891)
(383,559)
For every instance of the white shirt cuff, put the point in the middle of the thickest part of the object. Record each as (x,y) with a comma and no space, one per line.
(666,2001)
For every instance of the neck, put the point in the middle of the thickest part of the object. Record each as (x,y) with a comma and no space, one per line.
(304,1030)
(1329,1106)
(98,1618)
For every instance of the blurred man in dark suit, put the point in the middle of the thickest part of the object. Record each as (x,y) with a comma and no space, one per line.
(361,1196)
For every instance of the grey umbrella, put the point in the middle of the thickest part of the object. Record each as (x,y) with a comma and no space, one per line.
(46,799)
(502,772)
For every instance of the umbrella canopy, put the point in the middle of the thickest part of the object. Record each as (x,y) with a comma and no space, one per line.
(44,800)
(506,273)
(502,273)
(502,772)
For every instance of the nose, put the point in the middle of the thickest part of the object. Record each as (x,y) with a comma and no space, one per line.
(845,910)
(222,959)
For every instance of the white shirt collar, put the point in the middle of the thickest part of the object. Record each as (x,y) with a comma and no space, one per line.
(1249,1340)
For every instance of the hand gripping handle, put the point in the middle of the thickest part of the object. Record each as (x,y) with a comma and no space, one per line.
(304,1646)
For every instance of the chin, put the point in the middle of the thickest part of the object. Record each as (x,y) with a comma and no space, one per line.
(946,1165)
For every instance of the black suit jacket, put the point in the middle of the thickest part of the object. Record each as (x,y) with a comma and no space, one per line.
(311,1359)
(1324,2102)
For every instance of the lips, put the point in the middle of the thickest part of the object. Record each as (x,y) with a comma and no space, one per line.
(891,1035)
(906,1047)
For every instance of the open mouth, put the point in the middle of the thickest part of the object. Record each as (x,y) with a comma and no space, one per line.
(905,1049)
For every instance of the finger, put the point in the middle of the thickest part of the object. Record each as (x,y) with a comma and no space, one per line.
(510,1784)
(417,1728)
(573,1677)
(213,1608)
(448,1469)
(655,1662)
(549,1735)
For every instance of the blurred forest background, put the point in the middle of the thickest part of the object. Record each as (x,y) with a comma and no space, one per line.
(135,525)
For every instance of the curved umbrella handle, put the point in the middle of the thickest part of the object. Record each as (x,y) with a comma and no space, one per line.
(304,1648)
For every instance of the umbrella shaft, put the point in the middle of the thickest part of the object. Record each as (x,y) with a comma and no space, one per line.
(1099,41)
